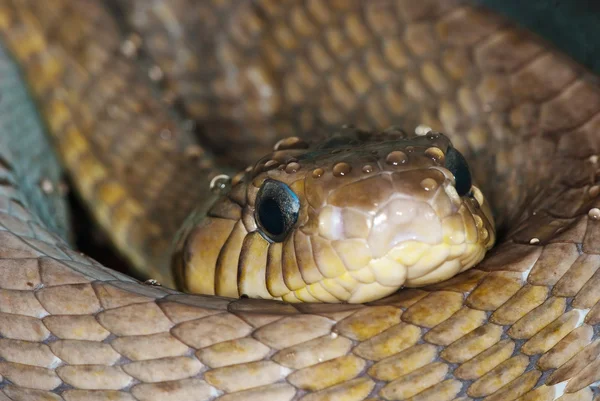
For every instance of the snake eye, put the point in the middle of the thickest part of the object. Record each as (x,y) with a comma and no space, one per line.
(456,163)
(277,208)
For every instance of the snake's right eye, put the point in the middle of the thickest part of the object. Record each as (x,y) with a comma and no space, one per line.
(458,166)
(277,208)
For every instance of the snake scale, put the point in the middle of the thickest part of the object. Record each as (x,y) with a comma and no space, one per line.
(135,93)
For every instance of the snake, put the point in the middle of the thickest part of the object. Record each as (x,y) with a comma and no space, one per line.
(148,105)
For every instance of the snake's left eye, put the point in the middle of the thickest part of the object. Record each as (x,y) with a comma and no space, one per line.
(457,164)
(277,208)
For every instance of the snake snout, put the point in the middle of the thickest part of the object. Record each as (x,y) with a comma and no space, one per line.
(403,228)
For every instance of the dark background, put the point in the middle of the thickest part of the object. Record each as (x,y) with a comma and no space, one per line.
(571,25)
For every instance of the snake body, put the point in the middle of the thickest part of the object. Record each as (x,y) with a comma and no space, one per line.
(523,324)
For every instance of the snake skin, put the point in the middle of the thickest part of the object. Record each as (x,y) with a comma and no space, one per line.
(522,325)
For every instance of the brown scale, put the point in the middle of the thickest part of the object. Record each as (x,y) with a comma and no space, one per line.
(524,323)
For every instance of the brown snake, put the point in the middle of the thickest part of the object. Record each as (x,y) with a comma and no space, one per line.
(118,96)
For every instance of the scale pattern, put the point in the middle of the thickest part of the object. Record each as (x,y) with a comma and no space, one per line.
(523,325)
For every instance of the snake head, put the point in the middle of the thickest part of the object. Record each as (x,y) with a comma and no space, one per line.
(351,219)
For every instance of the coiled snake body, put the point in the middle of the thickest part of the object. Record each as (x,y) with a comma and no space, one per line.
(119,85)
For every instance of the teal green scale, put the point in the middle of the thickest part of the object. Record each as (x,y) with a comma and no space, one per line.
(25,147)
